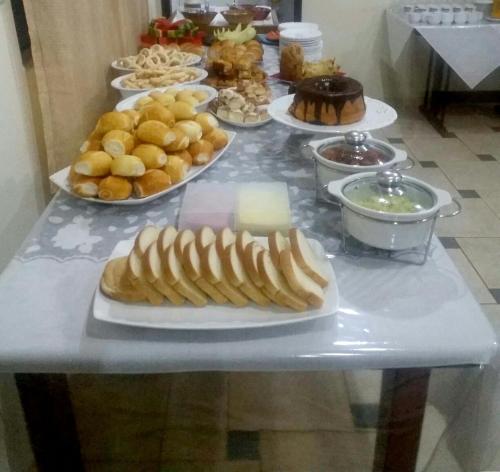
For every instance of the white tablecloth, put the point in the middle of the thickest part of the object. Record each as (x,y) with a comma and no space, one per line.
(472,51)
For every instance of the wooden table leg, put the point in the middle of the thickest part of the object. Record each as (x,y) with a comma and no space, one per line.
(50,422)
(401,414)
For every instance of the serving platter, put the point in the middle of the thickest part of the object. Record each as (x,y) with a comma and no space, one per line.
(378,115)
(190,62)
(129,102)
(211,317)
(60,179)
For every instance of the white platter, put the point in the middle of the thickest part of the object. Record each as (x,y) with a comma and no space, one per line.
(61,180)
(210,317)
(191,62)
(129,102)
(378,115)
(128,92)
(242,125)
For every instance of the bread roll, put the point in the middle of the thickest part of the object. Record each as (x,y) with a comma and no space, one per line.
(155,132)
(201,151)
(164,99)
(115,283)
(84,185)
(159,113)
(181,141)
(128,166)
(142,102)
(114,120)
(117,142)
(91,145)
(182,111)
(200,95)
(114,188)
(94,164)
(152,156)
(153,181)
(217,137)
(192,129)
(188,159)
(187,98)
(134,115)
(207,121)
(177,168)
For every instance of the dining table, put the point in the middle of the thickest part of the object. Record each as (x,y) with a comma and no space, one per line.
(403,318)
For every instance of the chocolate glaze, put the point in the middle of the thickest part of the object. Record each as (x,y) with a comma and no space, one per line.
(326,89)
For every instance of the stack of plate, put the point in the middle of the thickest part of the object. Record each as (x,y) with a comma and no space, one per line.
(309,38)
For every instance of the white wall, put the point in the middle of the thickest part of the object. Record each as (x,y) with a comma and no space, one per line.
(22,196)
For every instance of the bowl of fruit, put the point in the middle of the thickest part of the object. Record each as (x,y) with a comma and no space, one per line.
(163,31)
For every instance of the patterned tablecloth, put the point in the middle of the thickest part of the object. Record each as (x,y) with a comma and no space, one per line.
(392,314)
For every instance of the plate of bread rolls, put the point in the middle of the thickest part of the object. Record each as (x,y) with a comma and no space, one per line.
(206,280)
(133,157)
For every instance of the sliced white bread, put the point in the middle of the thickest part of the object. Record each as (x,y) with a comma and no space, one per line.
(277,243)
(204,237)
(192,266)
(250,262)
(243,239)
(136,275)
(237,276)
(147,236)
(224,238)
(156,276)
(306,258)
(175,276)
(276,284)
(115,283)
(166,237)
(183,238)
(303,285)
(211,269)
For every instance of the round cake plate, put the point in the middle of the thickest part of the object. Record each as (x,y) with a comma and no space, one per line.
(378,115)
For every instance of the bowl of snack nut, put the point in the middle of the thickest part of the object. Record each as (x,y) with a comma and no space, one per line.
(143,80)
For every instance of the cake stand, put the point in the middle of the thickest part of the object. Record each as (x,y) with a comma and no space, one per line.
(378,115)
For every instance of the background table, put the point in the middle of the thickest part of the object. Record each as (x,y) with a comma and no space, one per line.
(403,318)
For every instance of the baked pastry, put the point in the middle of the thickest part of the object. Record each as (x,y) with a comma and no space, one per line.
(93,164)
(202,152)
(153,181)
(329,100)
(186,157)
(84,185)
(128,166)
(291,61)
(114,120)
(176,168)
(115,283)
(182,110)
(207,121)
(181,141)
(114,188)
(218,138)
(152,156)
(118,142)
(191,128)
(155,132)
(159,113)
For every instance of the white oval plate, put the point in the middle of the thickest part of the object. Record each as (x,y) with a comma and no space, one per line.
(128,92)
(378,115)
(129,102)
(191,62)
(211,317)
(61,180)
(242,125)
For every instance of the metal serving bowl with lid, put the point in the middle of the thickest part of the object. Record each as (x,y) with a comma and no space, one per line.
(390,211)
(354,152)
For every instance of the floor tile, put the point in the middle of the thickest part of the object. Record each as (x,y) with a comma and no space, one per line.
(468,121)
(484,254)
(440,150)
(126,437)
(486,157)
(198,446)
(198,400)
(473,280)
(476,220)
(288,401)
(409,126)
(135,393)
(435,177)
(122,467)
(396,140)
(495,293)
(316,451)
(492,198)
(449,243)
(472,175)
(481,143)
(493,314)
(468,194)
(432,428)
(243,445)
(428,164)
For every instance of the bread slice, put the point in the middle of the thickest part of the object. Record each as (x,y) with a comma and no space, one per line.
(237,276)
(166,237)
(204,237)
(277,243)
(192,267)
(156,277)
(211,269)
(224,238)
(243,239)
(276,284)
(136,275)
(183,238)
(175,276)
(147,236)
(303,285)
(306,258)
(115,283)
(250,262)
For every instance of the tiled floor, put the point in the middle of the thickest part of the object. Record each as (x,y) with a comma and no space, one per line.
(301,422)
